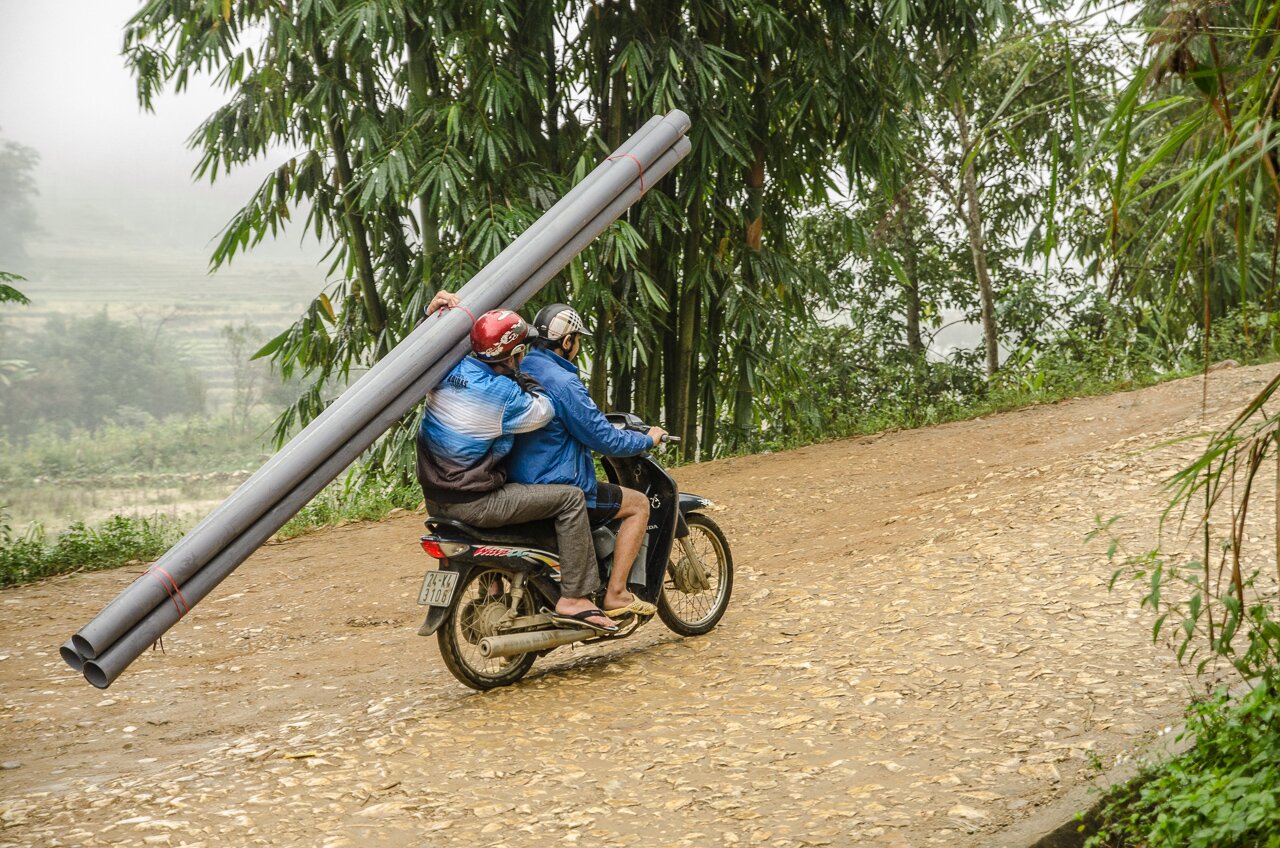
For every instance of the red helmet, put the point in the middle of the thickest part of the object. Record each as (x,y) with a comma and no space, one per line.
(499,334)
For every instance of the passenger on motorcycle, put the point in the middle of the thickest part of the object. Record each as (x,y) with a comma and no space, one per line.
(560,452)
(467,429)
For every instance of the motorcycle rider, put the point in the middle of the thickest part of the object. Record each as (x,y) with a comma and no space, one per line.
(468,425)
(560,452)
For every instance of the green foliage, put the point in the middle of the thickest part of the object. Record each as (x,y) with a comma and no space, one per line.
(86,372)
(350,500)
(1190,149)
(8,294)
(1223,792)
(429,135)
(117,541)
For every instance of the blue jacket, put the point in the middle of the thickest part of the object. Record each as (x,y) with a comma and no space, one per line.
(468,425)
(561,451)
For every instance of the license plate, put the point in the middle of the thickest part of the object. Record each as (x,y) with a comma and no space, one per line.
(437,588)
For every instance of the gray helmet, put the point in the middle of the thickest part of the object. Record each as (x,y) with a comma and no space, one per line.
(558,320)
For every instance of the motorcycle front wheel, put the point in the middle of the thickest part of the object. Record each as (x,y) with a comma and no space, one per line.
(683,605)
(484,600)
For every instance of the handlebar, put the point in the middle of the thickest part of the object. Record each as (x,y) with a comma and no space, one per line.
(667,437)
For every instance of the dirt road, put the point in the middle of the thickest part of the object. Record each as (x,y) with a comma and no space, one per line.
(921,650)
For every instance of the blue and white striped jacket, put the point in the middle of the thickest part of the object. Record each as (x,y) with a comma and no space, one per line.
(468,425)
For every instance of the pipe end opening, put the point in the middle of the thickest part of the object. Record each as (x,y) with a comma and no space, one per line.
(95,675)
(71,658)
(81,646)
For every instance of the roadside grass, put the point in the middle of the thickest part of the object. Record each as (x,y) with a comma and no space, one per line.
(119,540)
(1005,397)
(343,504)
(122,540)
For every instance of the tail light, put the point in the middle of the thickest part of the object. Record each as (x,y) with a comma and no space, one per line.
(440,549)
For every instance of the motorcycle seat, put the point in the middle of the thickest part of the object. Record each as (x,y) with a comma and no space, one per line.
(538,533)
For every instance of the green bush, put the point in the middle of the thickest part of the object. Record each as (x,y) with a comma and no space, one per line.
(348,501)
(1224,792)
(118,540)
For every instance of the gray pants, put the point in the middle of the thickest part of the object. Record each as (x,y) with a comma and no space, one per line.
(515,503)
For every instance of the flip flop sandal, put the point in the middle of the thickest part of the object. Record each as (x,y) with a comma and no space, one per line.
(579,619)
(636,607)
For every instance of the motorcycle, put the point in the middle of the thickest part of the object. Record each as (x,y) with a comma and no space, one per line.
(490,599)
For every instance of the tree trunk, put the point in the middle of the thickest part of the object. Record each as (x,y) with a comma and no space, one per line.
(744,396)
(598,385)
(605,326)
(977,244)
(667,278)
(910,264)
(421,76)
(622,377)
(690,445)
(653,387)
(353,224)
(709,375)
(684,417)
(640,388)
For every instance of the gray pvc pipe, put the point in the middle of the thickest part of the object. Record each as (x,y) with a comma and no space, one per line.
(104,669)
(369,393)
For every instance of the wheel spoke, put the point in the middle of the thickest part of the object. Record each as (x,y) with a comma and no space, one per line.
(696,608)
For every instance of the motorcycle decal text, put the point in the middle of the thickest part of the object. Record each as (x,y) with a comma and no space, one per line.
(490,550)
(517,553)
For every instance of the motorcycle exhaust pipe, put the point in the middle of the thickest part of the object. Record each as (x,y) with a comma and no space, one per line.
(539,640)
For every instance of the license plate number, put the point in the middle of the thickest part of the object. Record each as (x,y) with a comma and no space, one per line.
(437,588)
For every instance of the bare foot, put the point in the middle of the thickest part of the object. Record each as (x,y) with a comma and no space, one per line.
(572,606)
(618,600)
(615,601)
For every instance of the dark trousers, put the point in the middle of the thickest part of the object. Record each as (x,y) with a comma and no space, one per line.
(515,503)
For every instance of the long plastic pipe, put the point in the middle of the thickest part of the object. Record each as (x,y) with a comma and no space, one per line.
(169,575)
(104,669)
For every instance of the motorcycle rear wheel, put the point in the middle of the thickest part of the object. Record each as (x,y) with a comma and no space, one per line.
(696,613)
(483,599)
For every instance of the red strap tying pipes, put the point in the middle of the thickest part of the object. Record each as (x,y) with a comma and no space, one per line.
(171,586)
(638,166)
(444,309)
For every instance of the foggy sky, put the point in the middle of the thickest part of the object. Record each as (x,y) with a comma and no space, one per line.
(109,169)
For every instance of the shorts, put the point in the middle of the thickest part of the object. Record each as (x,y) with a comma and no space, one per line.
(608,502)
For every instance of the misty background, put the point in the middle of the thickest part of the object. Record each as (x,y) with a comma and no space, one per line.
(120,224)
(124,384)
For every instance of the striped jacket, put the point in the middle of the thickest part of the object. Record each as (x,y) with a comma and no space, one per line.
(468,425)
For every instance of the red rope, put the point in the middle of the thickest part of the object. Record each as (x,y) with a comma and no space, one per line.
(171,586)
(443,309)
(638,166)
